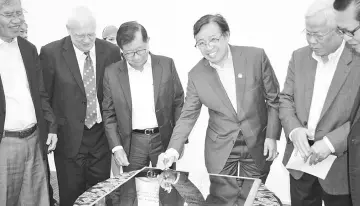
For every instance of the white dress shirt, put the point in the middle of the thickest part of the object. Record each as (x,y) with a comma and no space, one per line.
(227,77)
(80,56)
(20,110)
(323,78)
(142,94)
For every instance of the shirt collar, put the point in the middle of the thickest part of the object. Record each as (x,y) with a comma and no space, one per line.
(14,40)
(333,56)
(148,64)
(81,53)
(229,58)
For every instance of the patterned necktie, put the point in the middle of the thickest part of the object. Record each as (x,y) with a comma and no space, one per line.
(90,90)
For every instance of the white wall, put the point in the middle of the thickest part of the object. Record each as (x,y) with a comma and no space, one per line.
(275,26)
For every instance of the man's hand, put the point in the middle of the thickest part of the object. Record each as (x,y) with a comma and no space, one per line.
(51,142)
(320,152)
(165,161)
(270,147)
(300,142)
(120,157)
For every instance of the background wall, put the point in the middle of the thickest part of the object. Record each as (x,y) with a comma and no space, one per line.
(275,26)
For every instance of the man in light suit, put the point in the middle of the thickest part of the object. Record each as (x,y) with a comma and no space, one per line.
(315,107)
(348,22)
(143,98)
(240,89)
(24,115)
(73,76)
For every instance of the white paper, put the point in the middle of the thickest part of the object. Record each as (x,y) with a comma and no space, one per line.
(319,170)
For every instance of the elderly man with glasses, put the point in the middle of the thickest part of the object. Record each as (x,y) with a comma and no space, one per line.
(23,106)
(315,108)
(73,75)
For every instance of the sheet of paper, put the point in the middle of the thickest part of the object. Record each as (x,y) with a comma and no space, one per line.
(147,191)
(319,170)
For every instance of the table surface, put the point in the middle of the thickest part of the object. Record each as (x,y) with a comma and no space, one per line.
(98,194)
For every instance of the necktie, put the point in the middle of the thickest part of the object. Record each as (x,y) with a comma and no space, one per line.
(90,91)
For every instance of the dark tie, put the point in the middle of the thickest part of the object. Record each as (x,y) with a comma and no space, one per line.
(90,90)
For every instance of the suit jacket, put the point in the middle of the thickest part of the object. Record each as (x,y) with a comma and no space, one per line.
(65,86)
(40,98)
(257,111)
(117,103)
(295,102)
(354,152)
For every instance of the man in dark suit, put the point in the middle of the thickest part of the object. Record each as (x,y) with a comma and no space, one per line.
(348,22)
(240,89)
(143,98)
(315,108)
(73,76)
(23,106)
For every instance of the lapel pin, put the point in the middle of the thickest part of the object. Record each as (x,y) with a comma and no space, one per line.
(240,75)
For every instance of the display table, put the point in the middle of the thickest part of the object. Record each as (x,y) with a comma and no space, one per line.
(152,185)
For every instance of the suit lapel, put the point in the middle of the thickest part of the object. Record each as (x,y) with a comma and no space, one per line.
(338,79)
(309,80)
(217,86)
(157,71)
(99,55)
(70,59)
(239,65)
(123,77)
(27,59)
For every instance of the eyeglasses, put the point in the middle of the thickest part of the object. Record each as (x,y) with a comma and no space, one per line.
(202,43)
(13,15)
(347,32)
(132,54)
(82,36)
(317,36)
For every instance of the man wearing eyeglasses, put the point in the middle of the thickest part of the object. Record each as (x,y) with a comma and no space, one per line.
(143,98)
(315,107)
(73,76)
(240,89)
(348,21)
(23,106)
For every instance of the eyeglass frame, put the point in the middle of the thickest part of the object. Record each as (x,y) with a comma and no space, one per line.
(143,51)
(320,37)
(214,40)
(82,36)
(348,32)
(14,15)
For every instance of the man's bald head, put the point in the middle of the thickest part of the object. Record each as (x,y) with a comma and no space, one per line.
(81,27)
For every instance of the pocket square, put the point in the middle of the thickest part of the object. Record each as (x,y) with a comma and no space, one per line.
(239,75)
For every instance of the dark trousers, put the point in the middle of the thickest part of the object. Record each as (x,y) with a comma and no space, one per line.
(240,161)
(90,166)
(144,149)
(307,191)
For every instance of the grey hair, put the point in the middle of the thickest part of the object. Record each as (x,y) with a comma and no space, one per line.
(79,16)
(323,11)
(6,2)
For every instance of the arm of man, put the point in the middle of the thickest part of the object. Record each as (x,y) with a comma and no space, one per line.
(189,115)
(338,138)
(178,99)
(46,86)
(271,94)
(287,110)
(109,116)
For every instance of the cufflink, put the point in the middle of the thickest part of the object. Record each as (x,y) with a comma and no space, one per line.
(240,75)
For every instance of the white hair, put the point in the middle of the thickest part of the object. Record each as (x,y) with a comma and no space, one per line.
(321,11)
(79,17)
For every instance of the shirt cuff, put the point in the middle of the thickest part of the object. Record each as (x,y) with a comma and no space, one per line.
(116,148)
(171,152)
(329,144)
(293,131)
(176,180)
